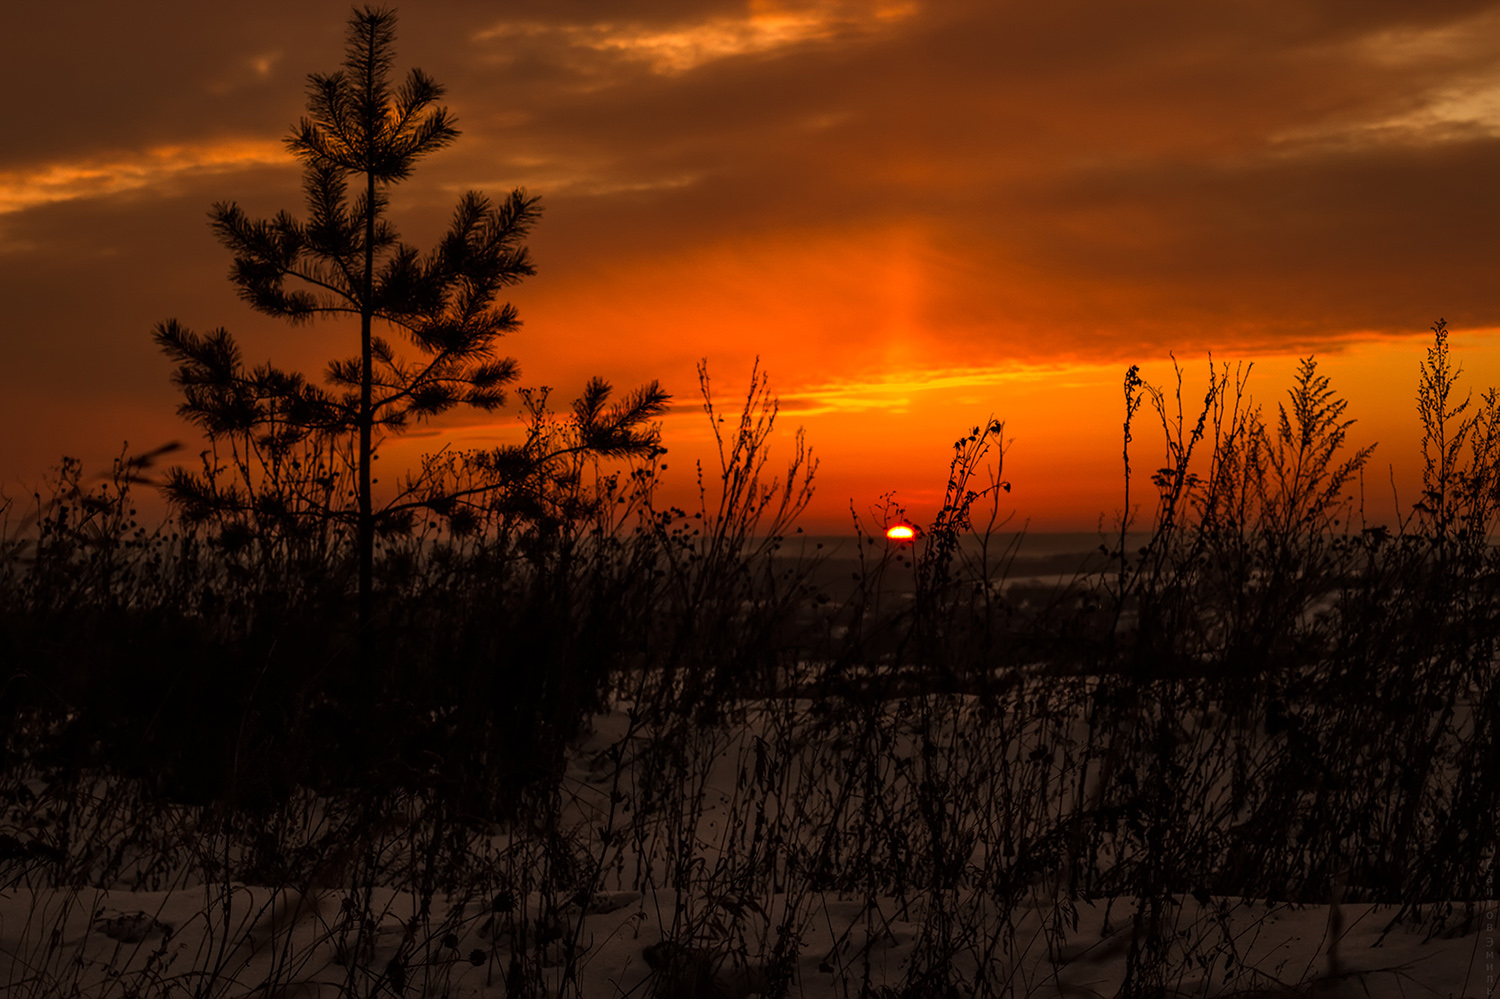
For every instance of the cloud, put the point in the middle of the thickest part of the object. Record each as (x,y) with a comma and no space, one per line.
(1452,92)
(686,45)
(1088,179)
(249,71)
(894,392)
(156,168)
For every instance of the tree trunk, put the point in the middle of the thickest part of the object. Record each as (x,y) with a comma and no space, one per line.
(366,527)
(366,538)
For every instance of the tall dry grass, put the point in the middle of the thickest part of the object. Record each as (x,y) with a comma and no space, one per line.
(1248,693)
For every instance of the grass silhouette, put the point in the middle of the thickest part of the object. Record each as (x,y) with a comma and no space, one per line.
(583,709)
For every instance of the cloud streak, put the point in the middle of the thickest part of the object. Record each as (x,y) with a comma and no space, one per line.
(895,392)
(686,45)
(155,169)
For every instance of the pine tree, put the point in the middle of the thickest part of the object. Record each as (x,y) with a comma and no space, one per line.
(362,135)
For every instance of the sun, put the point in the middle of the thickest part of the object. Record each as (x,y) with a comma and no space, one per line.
(901,532)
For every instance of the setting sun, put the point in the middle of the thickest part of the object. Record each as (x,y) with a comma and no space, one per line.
(901,532)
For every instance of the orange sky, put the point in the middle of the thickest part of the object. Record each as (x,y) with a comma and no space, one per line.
(916,214)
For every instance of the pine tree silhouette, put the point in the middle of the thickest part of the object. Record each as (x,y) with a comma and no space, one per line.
(348,260)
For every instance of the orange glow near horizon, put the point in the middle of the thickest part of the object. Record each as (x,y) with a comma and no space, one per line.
(1062,427)
(901,532)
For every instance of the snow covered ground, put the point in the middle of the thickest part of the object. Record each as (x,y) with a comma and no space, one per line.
(671,909)
(236,940)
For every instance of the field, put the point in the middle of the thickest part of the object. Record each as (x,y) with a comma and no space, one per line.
(1242,745)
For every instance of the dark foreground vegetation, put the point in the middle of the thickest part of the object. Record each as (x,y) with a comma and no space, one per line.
(1251,694)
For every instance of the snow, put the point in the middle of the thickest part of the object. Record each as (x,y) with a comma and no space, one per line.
(634,935)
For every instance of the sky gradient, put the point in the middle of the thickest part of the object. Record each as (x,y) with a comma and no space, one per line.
(916,214)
